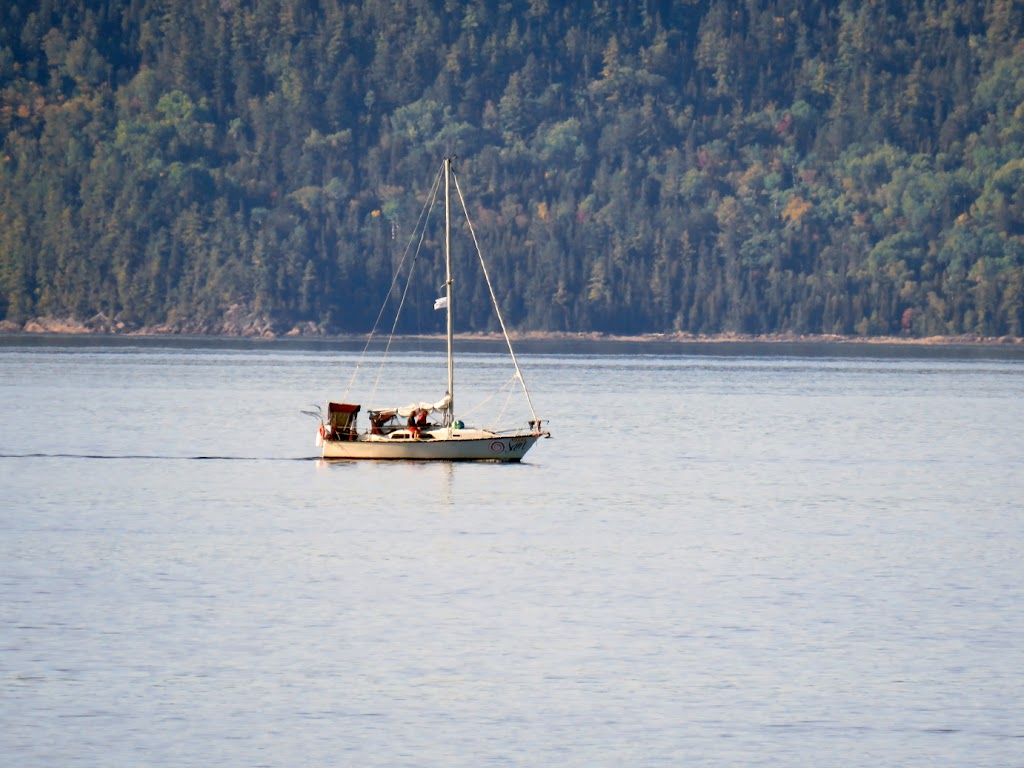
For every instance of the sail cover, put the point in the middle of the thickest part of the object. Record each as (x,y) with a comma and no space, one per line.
(406,410)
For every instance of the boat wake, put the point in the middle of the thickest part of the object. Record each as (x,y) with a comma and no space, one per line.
(149,457)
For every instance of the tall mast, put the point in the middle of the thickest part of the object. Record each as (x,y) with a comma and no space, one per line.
(448,289)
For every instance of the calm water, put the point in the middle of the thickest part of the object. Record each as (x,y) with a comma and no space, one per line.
(782,558)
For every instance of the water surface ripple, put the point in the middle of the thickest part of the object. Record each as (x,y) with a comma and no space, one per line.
(770,559)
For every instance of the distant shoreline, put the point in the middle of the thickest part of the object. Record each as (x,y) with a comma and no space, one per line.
(777,338)
(66,327)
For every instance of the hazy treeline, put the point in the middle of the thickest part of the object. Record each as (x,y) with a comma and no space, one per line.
(756,166)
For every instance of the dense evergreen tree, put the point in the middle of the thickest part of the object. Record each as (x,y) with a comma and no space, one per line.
(634,166)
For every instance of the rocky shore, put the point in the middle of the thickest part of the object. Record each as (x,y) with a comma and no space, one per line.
(235,322)
(244,325)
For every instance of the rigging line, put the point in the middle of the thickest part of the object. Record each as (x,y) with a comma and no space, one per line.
(494,299)
(428,206)
(510,384)
(508,399)
(424,212)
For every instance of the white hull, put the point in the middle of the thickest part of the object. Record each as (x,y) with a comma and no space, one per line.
(479,447)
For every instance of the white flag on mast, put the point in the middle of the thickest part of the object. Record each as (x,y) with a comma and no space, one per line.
(441,303)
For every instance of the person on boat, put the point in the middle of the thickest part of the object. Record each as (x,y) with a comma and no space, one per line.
(421,420)
(414,429)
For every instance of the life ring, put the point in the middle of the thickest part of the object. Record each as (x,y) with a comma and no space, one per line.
(323,431)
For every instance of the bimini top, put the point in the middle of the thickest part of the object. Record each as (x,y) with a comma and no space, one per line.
(342,408)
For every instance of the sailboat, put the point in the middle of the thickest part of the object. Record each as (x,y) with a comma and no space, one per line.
(429,430)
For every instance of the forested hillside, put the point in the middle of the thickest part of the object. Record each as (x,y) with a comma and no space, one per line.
(631,166)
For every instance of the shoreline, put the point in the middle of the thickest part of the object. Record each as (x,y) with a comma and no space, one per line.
(309,332)
(781,338)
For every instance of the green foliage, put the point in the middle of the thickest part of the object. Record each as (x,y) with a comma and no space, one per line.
(631,166)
